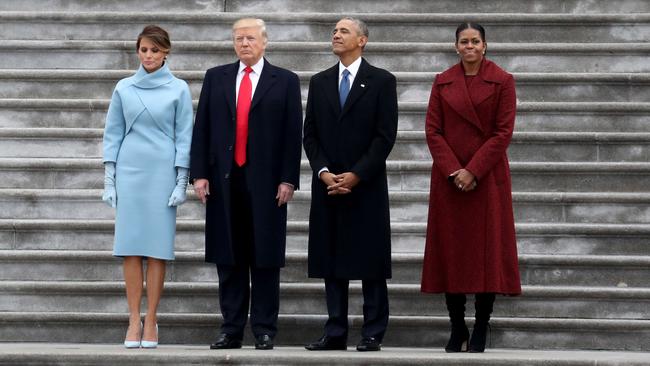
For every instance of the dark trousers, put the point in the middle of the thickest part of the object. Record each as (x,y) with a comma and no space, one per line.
(244,282)
(375,308)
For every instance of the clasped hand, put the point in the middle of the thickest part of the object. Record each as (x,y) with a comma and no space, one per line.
(339,184)
(464,180)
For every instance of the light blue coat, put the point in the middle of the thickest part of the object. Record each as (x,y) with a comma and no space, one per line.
(148,134)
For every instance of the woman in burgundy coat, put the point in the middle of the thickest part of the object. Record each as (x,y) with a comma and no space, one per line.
(471,246)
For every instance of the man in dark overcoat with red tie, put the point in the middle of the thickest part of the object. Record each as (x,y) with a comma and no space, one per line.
(350,128)
(245,166)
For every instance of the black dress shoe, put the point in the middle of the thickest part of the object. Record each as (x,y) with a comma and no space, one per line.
(226,341)
(263,341)
(369,344)
(327,343)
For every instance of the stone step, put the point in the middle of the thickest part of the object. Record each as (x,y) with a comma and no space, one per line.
(339,6)
(82,354)
(547,146)
(403,331)
(536,269)
(51,142)
(410,145)
(531,116)
(56,173)
(533,238)
(419,27)
(416,6)
(303,56)
(308,298)
(407,207)
(411,87)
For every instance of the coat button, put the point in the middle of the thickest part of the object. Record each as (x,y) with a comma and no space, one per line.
(226,176)
(230,147)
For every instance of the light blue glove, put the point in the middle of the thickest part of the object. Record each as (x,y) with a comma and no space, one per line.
(110,195)
(178,195)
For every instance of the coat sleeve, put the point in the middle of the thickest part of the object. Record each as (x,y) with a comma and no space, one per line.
(293,133)
(373,161)
(311,139)
(495,147)
(444,159)
(183,128)
(200,148)
(114,129)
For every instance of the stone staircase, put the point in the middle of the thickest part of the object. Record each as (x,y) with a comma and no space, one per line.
(580,160)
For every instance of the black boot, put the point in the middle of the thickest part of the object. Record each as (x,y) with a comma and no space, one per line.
(483,304)
(459,332)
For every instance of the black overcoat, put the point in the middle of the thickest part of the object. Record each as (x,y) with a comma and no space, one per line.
(349,235)
(273,156)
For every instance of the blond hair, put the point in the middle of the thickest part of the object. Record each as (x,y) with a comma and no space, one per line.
(250,22)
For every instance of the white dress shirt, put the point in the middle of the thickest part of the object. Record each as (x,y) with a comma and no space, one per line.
(353,69)
(254,76)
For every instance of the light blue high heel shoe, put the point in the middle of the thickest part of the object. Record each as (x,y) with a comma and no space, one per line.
(134,344)
(150,344)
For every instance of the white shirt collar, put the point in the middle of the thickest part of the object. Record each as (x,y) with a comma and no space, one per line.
(257,68)
(353,68)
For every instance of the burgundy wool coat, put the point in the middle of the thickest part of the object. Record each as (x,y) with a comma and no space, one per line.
(471,245)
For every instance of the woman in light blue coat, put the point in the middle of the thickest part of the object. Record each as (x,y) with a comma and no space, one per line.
(146,158)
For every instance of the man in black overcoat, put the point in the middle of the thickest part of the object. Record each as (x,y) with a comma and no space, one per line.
(350,128)
(245,167)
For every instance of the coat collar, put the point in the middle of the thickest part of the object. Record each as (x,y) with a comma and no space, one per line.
(143,79)
(463,100)
(267,79)
(358,88)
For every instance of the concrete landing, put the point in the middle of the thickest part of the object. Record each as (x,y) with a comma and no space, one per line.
(104,354)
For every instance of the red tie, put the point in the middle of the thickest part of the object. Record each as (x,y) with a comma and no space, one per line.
(243,107)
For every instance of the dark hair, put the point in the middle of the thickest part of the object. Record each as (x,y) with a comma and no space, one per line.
(470,25)
(363,28)
(157,35)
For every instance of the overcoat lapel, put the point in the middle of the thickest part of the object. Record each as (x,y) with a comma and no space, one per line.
(230,84)
(267,79)
(458,97)
(332,88)
(359,87)
(484,86)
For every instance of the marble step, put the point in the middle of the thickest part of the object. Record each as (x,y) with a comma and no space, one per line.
(411,87)
(532,238)
(407,207)
(302,56)
(307,298)
(536,269)
(403,331)
(531,116)
(78,354)
(339,6)
(395,27)
(56,173)
(410,145)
